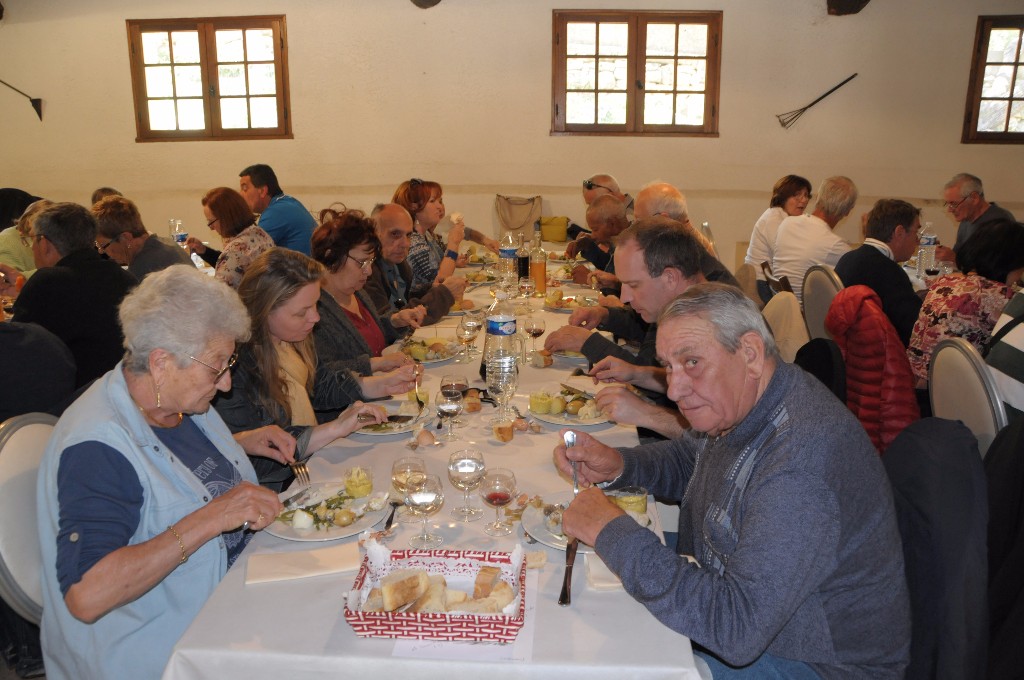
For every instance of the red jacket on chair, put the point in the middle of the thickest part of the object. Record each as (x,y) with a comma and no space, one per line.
(879,384)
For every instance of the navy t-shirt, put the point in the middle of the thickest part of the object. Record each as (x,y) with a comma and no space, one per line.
(101,497)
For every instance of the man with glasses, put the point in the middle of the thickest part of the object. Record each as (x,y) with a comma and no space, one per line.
(282,216)
(122,236)
(75,293)
(964,198)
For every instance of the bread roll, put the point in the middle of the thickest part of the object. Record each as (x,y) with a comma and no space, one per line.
(374,601)
(481,606)
(453,598)
(536,559)
(502,595)
(486,580)
(402,587)
(472,404)
(434,599)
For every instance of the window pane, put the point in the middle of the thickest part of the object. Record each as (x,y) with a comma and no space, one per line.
(611,108)
(232,80)
(264,112)
(1017,117)
(581,38)
(234,113)
(992,116)
(997,81)
(693,40)
(659,74)
(188,81)
(259,45)
(158,81)
(261,79)
(156,48)
(190,114)
(689,109)
(161,115)
(614,39)
(1018,87)
(611,74)
(186,47)
(692,75)
(657,109)
(579,74)
(661,40)
(229,46)
(579,108)
(1002,45)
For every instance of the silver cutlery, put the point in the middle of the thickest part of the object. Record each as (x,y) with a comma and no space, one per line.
(565,598)
(391,517)
(301,473)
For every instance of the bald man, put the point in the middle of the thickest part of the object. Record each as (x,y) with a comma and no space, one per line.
(390,283)
(606,218)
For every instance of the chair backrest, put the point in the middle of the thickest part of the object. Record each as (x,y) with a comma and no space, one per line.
(746,275)
(822,358)
(23,440)
(778,284)
(783,316)
(820,285)
(961,388)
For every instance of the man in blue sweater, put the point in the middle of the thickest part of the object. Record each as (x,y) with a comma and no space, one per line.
(786,509)
(282,216)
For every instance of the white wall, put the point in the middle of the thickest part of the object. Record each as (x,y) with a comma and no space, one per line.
(461,93)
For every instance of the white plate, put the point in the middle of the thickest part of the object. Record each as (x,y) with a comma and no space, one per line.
(564,354)
(457,312)
(533,524)
(568,421)
(320,491)
(397,428)
(562,310)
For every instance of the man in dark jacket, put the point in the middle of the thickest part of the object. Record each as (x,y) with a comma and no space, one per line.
(891,236)
(390,283)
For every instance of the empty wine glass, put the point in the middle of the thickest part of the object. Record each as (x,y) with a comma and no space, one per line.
(424,496)
(466,335)
(502,381)
(401,470)
(449,405)
(497,489)
(526,287)
(465,471)
(534,328)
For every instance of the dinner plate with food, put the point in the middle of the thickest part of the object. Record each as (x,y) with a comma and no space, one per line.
(430,351)
(403,416)
(329,511)
(557,256)
(570,355)
(566,407)
(542,517)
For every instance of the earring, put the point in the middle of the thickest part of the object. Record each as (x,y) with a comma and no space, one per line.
(158,396)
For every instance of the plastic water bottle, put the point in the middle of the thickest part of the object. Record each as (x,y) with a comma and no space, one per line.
(507,257)
(179,234)
(501,339)
(926,252)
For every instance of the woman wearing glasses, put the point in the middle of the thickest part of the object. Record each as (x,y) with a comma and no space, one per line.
(431,259)
(145,496)
(229,216)
(279,380)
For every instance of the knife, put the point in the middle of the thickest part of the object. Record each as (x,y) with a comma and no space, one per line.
(570,557)
(293,500)
(574,390)
(366,418)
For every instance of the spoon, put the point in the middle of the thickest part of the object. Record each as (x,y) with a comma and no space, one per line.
(570,441)
(391,517)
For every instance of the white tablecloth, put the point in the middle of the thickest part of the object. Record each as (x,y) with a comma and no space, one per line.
(295,629)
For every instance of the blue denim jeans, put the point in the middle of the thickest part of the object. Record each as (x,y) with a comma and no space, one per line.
(767,667)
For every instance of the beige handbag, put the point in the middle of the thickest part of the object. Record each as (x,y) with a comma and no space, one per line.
(517,214)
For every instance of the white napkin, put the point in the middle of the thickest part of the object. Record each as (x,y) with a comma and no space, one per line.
(282,566)
(599,576)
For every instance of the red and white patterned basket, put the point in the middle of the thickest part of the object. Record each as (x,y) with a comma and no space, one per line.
(459,564)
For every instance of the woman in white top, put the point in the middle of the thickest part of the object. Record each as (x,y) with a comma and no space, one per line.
(790,197)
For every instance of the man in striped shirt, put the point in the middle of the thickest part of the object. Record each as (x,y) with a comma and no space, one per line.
(1006,357)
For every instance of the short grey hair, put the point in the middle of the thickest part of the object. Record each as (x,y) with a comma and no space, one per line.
(68,226)
(836,197)
(726,308)
(966,184)
(181,310)
(661,198)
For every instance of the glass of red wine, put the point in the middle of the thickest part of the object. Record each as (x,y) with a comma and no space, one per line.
(497,490)
(534,328)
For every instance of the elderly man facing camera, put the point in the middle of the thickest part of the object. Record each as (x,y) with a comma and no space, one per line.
(390,282)
(787,514)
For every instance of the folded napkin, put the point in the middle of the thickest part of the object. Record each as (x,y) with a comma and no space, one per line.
(266,567)
(599,576)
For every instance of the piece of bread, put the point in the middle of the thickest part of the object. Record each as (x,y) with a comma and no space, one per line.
(536,559)
(483,605)
(541,359)
(374,601)
(486,579)
(402,587)
(454,598)
(502,595)
(472,404)
(434,599)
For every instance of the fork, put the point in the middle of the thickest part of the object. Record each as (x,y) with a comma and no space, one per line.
(419,376)
(301,473)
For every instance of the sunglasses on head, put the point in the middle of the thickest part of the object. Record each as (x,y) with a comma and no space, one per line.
(415,181)
(588,185)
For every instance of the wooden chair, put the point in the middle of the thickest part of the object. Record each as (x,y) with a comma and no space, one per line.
(778,284)
(820,286)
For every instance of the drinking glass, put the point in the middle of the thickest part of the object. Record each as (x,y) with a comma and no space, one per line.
(449,405)
(465,471)
(526,287)
(497,490)
(459,383)
(474,318)
(401,470)
(466,334)
(424,496)
(502,380)
(534,328)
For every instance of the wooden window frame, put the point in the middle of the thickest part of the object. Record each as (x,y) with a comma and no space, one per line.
(207,27)
(977,78)
(637,21)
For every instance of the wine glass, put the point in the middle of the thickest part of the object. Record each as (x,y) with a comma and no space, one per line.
(401,470)
(502,381)
(466,334)
(465,471)
(459,383)
(448,404)
(534,328)
(526,287)
(423,497)
(474,318)
(497,489)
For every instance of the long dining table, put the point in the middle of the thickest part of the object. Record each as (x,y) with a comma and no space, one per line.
(296,629)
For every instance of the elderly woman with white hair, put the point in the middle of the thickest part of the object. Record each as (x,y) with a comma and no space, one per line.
(145,497)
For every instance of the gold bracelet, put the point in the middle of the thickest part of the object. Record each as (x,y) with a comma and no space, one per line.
(181,544)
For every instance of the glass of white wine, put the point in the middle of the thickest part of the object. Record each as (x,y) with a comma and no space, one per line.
(465,471)
(449,405)
(466,334)
(423,497)
(401,470)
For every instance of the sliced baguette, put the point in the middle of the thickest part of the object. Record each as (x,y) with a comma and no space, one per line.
(486,579)
(402,587)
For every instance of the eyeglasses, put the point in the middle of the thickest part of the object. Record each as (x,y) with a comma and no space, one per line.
(952,206)
(212,222)
(588,185)
(363,264)
(218,371)
(103,248)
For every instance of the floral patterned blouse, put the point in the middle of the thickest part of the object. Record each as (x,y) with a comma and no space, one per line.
(957,306)
(239,252)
